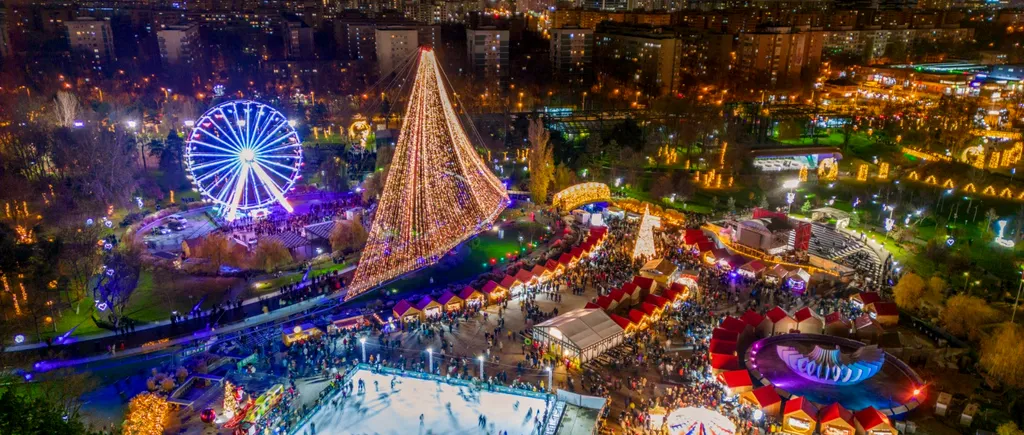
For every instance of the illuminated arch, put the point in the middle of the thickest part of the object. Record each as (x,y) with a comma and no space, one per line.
(948,184)
(581,194)
(931,180)
(989,191)
(1006,193)
(969,188)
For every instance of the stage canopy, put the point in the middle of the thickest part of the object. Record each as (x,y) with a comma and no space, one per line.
(582,333)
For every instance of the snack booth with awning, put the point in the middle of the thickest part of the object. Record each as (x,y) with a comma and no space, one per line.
(450,301)
(800,416)
(305,331)
(836,420)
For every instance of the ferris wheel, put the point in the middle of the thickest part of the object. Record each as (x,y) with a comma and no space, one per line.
(244,156)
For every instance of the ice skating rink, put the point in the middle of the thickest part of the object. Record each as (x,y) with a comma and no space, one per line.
(381,410)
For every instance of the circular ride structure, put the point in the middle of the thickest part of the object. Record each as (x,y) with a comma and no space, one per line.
(244,156)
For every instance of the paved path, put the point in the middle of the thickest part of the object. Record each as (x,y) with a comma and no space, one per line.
(249,315)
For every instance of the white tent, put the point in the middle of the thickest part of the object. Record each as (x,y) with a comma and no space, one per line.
(581,333)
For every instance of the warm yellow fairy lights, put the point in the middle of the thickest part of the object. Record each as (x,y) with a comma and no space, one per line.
(17,308)
(828,170)
(439,192)
(147,415)
(24,294)
(862,173)
(644,247)
(669,154)
(581,194)
(230,402)
(883,171)
(803,173)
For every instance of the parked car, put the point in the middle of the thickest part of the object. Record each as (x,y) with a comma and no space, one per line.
(177,218)
(178,225)
(160,230)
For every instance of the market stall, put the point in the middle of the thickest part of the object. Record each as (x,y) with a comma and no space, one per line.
(472,296)
(800,416)
(870,421)
(765,399)
(405,312)
(836,420)
(450,301)
(305,331)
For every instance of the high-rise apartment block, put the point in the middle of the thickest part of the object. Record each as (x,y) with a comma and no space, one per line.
(778,56)
(487,48)
(395,46)
(572,51)
(93,38)
(180,45)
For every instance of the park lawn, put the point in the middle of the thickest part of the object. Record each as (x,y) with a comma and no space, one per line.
(700,203)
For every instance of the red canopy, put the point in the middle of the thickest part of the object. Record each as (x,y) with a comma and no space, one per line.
(643,282)
(591,305)
(618,295)
(538,270)
(868,298)
(724,335)
(735,379)
(658,301)
(630,288)
(766,396)
(870,418)
(833,412)
(604,301)
(733,324)
(722,347)
(776,314)
(724,362)
(621,321)
(650,309)
(507,282)
(637,316)
(551,264)
(804,314)
(524,276)
(752,318)
(834,317)
(796,403)
(564,259)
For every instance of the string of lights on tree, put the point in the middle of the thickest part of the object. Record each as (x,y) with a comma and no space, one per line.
(438,193)
(147,415)
(644,247)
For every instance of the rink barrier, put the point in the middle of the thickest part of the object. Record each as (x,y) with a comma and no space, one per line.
(419,375)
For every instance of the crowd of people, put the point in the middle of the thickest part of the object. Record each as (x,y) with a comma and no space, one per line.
(277,223)
(642,378)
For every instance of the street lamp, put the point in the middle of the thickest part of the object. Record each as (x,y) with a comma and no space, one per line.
(481,359)
(966,280)
(430,359)
(550,372)
(362,342)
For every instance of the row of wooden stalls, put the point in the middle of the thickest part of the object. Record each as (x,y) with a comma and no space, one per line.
(801,417)
(699,243)
(585,333)
(493,291)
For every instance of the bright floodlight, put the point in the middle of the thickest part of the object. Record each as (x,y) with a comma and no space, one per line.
(790,184)
(244,156)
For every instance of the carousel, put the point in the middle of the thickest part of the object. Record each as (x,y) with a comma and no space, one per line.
(698,421)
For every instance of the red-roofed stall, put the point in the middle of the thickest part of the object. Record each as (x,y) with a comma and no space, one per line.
(870,421)
(800,416)
(776,321)
(765,399)
(450,301)
(808,322)
(836,420)
(472,296)
(736,382)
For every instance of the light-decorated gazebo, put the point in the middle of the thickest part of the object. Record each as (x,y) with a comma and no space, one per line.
(580,334)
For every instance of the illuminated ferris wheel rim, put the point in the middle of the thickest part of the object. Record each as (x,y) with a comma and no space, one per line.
(243,156)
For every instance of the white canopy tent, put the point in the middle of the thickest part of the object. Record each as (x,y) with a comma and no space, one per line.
(581,333)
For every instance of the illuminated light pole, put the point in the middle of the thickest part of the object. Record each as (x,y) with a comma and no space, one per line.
(481,359)
(362,343)
(430,359)
(550,374)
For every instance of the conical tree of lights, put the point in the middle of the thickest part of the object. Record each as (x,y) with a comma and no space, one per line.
(644,247)
(438,193)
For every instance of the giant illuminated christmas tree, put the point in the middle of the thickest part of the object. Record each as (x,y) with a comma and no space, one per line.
(644,247)
(438,193)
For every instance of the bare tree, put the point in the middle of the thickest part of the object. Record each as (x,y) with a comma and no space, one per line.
(541,161)
(66,108)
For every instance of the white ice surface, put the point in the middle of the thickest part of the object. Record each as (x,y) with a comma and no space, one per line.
(398,411)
